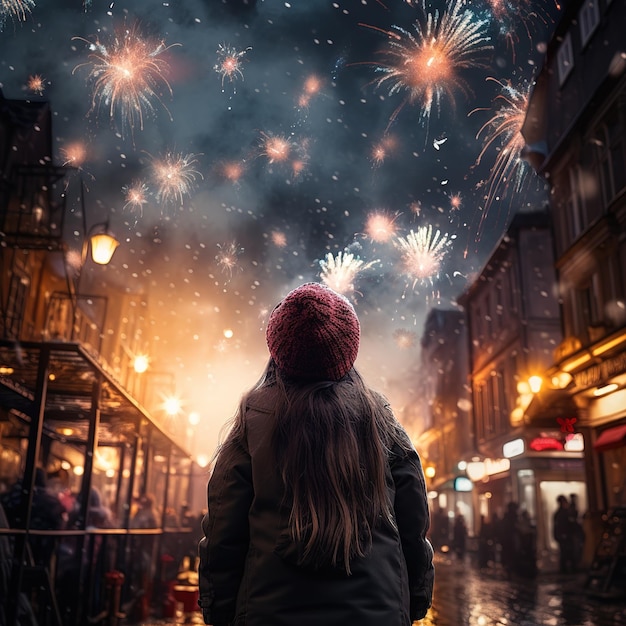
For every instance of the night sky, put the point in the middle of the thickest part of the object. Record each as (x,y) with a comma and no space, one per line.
(288,151)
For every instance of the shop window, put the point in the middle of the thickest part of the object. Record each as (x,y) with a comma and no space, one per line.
(588,18)
(565,59)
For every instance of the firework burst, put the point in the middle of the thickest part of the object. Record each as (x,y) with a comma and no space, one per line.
(505,129)
(426,65)
(136,196)
(380,227)
(404,338)
(36,84)
(509,15)
(339,272)
(422,253)
(277,148)
(128,75)
(74,154)
(174,176)
(228,257)
(229,62)
(15,9)
(312,87)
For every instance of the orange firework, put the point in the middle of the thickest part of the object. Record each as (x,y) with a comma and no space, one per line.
(426,65)
(505,127)
(404,338)
(422,253)
(36,84)
(380,227)
(381,150)
(128,74)
(312,86)
(16,9)
(455,201)
(74,154)
(232,171)
(276,148)
(279,239)
(229,62)
(174,176)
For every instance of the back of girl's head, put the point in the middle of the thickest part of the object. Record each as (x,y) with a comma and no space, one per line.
(313,334)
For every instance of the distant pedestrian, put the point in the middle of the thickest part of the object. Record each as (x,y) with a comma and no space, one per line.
(577,530)
(459,537)
(527,542)
(563,532)
(508,538)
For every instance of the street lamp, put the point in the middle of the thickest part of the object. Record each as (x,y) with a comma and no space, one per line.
(103,244)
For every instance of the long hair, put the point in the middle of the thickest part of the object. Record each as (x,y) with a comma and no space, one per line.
(331,441)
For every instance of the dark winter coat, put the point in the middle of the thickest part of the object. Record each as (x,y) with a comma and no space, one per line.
(248,575)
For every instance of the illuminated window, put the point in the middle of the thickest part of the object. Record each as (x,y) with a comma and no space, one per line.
(565,59)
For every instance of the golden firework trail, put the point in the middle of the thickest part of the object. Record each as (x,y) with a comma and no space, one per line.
(339,272)
(505,130)
(16,9)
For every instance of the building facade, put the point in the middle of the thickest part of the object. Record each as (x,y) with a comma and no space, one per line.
(575,131)
(513,322)
(446,439)
(80,454)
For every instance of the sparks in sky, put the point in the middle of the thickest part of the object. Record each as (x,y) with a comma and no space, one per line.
(128,75)
(510,15)
(174,176)
(426,65)
(505,130)
(455,201)
(36,84)
(380,227)
(74,154)
(422,253)
(339,272)
(228,257)
(312,86)
(229,62)
(136,196)
(277,148)
(404,338)
(16,9)
(232,170)
(279,239)
(382,149)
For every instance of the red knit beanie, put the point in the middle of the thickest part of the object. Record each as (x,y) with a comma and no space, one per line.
(314,333)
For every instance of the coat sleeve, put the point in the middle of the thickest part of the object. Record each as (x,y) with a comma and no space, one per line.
(224,547)
(413,519)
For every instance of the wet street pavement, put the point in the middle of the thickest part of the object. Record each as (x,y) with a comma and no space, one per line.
(465,596)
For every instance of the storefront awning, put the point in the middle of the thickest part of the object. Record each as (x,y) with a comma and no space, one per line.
(610,438)
(548,406)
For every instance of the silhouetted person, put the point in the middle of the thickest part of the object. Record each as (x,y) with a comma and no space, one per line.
(459,537)
(527,540)
(563,532)
(507,537)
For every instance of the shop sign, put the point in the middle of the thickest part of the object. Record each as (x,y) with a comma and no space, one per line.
(601,372)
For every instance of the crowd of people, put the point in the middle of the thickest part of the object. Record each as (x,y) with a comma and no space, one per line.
(510,542)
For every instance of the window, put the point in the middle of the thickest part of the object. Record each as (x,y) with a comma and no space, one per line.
(16,305)
(588,17)
(565,58)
